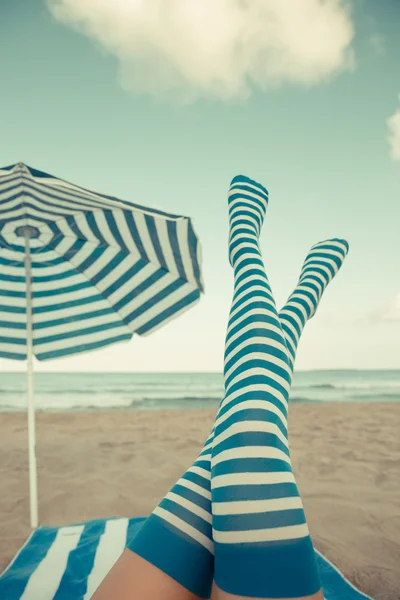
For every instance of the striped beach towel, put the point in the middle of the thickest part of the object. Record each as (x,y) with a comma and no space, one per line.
(68,563)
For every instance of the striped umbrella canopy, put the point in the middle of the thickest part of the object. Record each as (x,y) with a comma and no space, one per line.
(81,270)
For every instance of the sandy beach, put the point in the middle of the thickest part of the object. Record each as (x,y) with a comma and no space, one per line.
(346,458)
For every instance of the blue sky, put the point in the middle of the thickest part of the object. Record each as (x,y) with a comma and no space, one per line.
(165,108)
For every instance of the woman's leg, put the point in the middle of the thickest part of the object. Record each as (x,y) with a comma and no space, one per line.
(300,307)
(134,578)
(320,266)
(262,545)
(172,556)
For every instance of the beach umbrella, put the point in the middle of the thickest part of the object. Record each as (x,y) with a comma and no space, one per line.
(81,270)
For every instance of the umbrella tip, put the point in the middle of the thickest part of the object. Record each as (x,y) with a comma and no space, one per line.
(22,166)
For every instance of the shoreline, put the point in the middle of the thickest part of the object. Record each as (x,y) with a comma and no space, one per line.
(111,463)
(145,408)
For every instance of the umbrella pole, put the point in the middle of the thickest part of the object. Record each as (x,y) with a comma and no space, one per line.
(33,492)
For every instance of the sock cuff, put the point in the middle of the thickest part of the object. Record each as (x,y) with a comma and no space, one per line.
(160,543)
(274,570)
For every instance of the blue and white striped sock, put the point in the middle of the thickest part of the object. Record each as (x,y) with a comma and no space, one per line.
(177,536)
(261,540)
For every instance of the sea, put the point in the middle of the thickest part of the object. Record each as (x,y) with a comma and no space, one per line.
(153,391)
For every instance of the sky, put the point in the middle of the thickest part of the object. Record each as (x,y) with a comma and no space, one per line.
(163,103)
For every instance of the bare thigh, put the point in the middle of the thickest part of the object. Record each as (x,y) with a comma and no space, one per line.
(220,595)
(133,578)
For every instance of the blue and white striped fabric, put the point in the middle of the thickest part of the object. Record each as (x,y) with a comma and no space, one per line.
(102,268)
(68,563)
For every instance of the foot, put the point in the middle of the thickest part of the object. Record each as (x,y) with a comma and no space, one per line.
(247,201)
(320,267)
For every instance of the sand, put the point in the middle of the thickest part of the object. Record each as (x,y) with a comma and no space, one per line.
(101,464)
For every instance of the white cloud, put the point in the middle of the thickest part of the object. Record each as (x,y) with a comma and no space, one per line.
(389,312)
(393,124)
(216,48)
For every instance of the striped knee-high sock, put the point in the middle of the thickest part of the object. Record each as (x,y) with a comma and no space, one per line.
(261,539)
(320,266)
(177,536)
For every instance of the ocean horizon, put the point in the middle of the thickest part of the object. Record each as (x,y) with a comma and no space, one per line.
(152,391)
